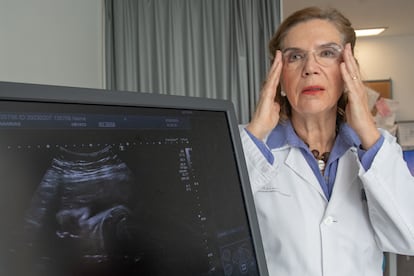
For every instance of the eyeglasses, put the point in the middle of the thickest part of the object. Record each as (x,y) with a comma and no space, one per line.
(325,55)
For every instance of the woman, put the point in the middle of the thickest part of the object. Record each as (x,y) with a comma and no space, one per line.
(332,191)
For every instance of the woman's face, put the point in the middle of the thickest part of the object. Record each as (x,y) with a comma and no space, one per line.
(311,76)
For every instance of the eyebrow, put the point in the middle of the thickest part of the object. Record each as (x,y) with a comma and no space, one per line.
(330,44)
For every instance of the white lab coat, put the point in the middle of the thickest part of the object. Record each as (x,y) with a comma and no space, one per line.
(304,234)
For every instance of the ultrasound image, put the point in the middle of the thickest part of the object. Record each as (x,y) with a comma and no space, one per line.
(86,202)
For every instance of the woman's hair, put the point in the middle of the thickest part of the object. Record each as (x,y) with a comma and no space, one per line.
(342,24)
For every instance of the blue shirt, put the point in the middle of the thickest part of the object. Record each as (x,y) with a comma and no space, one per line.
(285,134)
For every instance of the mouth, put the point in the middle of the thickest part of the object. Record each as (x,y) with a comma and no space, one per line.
(311,90)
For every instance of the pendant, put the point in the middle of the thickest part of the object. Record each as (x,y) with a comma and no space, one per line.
(321,165)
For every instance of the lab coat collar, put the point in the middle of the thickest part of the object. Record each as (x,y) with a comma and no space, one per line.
(300,166)
(345,178)
(284,135)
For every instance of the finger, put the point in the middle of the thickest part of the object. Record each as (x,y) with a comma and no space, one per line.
(350,71)
(273,76)
(349,68)
(348,78)
(351,64)
(354,87)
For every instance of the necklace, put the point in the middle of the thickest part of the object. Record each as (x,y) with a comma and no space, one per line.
(321,159)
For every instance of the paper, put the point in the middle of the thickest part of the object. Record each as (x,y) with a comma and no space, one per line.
(372,97)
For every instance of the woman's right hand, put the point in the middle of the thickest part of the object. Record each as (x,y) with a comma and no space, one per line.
(266,116)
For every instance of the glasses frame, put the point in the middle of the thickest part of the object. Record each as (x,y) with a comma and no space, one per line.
(299,63)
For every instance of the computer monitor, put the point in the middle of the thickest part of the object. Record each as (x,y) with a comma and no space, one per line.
(97,182)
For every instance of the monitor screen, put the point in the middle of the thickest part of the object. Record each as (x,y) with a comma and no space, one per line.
(98,182)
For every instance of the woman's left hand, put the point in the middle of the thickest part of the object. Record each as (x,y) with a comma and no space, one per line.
(358,114)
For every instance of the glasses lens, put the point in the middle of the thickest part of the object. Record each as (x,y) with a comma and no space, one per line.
(293,58)
(327,56)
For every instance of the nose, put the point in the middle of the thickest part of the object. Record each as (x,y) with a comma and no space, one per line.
(310,66)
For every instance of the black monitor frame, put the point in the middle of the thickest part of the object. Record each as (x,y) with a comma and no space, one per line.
(10,91)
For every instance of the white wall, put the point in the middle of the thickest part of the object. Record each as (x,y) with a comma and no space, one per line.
(390,57)
(55,42)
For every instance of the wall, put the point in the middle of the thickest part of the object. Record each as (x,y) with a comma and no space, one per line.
(61,42)
(386,57)
(55,42)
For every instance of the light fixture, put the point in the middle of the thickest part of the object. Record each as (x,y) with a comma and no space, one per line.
(369,32)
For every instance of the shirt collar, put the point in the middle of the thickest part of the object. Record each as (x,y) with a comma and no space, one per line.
(284,134)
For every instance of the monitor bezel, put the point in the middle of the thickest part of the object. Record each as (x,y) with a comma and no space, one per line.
(30,92)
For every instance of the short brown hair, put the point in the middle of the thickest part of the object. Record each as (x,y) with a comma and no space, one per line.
(343,25)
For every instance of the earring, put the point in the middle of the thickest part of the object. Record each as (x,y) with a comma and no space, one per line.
(283,93)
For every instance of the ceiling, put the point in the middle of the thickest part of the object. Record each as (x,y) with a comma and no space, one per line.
(397,15)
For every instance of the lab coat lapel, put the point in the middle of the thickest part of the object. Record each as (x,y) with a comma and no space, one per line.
(345,177)
(298,164)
